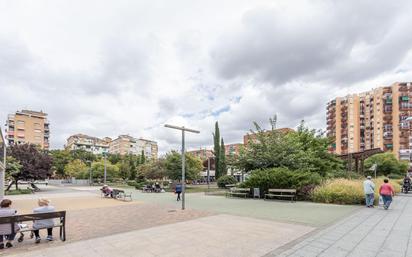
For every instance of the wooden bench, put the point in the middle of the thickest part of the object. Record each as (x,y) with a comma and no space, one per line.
(281,193)
(236,191)
(18,219)
(121,195)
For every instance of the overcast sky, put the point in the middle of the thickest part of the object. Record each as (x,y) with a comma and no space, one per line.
(106,68)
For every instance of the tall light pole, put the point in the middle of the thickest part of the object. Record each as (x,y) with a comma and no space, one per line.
(105,169)
(183,129)
(90,172)
(2,164)
(208,174)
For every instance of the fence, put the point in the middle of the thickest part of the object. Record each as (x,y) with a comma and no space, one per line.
(72,181)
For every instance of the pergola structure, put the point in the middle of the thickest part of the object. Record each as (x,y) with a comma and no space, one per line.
(359,157)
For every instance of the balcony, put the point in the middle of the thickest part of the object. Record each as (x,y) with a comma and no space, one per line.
(388,100)
(403,88)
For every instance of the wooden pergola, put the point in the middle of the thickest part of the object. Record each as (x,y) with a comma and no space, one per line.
(359,157)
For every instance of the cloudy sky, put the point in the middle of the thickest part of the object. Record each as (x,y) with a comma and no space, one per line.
(106,68)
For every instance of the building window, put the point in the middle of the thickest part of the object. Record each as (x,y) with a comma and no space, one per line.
(20,122)
(37,130)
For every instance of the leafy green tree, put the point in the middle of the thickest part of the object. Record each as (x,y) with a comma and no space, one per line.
(217,149)
(303,150)
(114,158)
(83,155)
(142,158)
(222,159)
(124,169)
(98,170)
(13,167)
(76,168)
(36,164)
(60,159)
(386,164)
(173,165)
(155,169)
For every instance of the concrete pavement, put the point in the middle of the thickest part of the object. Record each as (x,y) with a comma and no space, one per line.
(368,232)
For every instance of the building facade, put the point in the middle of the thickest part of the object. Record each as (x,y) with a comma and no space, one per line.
(125,144)
(233,149)
(373,119)
(30,127)
(91,144)
(202,153)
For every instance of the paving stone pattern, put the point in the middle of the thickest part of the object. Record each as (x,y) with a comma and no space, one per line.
(368,232)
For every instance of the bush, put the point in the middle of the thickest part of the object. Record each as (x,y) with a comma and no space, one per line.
(395,176)
(131,183)
(282,178)
(19,192)
(345,174)
(346,191)
(226,180)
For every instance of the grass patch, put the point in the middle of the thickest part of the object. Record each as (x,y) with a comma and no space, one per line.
(347,191)
(18,192)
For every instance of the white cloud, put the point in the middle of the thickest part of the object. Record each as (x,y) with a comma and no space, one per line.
(106,68)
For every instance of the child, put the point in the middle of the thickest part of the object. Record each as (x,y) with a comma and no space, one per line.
(5,229)
(44,206)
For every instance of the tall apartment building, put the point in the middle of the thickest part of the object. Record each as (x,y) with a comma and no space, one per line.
(202,153)
(28,127)
(125,144)
(91,144)
(373,119)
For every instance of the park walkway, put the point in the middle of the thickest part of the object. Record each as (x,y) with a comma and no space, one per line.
(368,232)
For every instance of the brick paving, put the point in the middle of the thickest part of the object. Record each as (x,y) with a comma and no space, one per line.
(89,223)
(369,232)
(215,236)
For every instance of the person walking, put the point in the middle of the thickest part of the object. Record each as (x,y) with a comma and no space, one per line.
(369,190)
(178,191)
(387,192)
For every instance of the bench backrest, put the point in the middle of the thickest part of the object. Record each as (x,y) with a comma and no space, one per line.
(290,191)
(32,217)
(238,189)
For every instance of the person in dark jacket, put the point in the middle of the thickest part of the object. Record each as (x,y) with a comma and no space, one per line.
(178,191)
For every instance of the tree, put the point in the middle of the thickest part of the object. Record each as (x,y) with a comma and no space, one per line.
(60,159)
(114,158)
(216,149)
(303,150)
(222,159)
(153,170)
(386,164)
(36,164)
(142,158)
(173,165)
(98,170)
(83,155)
(76,168)
(124,169)
(13,167)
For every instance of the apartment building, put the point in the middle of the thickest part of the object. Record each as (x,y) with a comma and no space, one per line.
(233,149)
(28,127)
(202,153)
(91,144)
(125,144)
(373,119)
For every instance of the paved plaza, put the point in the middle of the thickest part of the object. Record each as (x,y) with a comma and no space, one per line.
(154,225)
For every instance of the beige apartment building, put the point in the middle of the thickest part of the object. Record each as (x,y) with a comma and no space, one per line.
(125,144)
(28,127)
(373,119)
(91,144)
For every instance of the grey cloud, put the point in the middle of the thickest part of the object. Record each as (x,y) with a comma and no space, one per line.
(315,41)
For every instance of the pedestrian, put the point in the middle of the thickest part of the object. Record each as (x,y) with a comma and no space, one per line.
(387,192)
(369,190)
(178,191)
(44,206)
(5,229)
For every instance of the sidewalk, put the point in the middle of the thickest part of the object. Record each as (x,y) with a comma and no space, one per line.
(214,236)
(369,232)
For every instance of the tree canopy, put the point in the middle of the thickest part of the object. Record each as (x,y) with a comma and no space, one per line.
(173,165)
(386,164)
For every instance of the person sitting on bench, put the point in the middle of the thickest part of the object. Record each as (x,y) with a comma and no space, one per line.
(107,191)
(44,206)
(5,229)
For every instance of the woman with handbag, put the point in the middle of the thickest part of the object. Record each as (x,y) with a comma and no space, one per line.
(387,192)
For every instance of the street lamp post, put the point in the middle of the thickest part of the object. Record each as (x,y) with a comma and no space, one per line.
(183,129)
(90,172)
(208,174)
(105,169)
(2,164)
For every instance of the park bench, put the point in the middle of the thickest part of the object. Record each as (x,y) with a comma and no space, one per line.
(281,193)
(147,189)
(236,191)
(18,219)
(121,195)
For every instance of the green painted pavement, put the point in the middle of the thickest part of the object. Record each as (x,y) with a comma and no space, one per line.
(307,213)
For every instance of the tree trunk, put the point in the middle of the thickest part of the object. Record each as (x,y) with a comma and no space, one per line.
(17,184)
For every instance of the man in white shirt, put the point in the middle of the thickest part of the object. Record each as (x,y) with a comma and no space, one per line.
(369,189)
